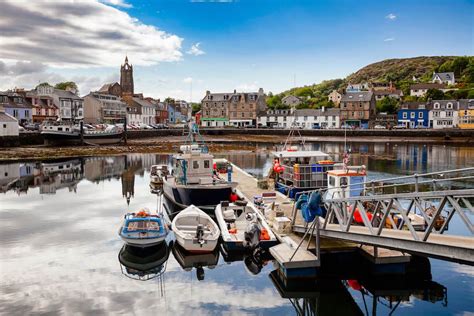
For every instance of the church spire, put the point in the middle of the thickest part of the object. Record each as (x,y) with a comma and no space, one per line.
(126,59)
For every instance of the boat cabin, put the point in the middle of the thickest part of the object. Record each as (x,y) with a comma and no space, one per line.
(348,182)
(304,170)
(193,165)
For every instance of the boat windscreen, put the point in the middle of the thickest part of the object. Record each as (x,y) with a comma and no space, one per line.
(143,225)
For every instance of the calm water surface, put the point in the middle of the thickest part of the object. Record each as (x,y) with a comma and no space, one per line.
(60,249)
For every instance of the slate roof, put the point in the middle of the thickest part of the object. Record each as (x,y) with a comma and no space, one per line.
(422,86)
(387,92)
(142,102)
(219,97)
(414,105)
(362,96)
(317,112)
(445,76)
(6,118)
(465,104)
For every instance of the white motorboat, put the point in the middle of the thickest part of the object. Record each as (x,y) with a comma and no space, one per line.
(195,231)
(238,222)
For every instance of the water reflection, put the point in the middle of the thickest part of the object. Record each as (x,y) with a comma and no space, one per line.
(60,252)
(340,289)
(198,261)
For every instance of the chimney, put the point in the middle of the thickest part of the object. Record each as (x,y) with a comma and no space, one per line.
(208,92)
(323,109)
(235,91)
(260,91)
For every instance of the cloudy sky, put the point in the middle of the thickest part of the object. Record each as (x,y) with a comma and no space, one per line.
(181,48)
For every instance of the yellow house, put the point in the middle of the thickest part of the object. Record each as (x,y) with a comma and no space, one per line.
(466,114)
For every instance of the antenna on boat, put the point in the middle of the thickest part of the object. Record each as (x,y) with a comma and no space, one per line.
(293,128)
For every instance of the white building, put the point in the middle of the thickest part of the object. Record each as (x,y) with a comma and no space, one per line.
(276,118)
(304,118)
(420,89)
(443,77)
(315,119)
(8,124)
(443,114)
(71,106)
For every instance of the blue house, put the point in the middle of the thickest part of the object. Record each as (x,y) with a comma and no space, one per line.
(171,114)
(413,115)
(16,105)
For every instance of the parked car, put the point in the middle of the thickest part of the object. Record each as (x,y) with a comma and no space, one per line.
(399,127)
(145,126)
(21,128)
(379,127)
(31,126)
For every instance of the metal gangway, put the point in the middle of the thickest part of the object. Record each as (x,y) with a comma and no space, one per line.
(412,221)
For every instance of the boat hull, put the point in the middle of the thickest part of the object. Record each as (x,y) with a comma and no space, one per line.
(74,138)
(143,242)
(291,191)
(206,198)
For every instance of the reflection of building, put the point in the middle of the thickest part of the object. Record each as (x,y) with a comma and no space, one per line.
(9,173)
(132,165)
(61,175)
(97,169)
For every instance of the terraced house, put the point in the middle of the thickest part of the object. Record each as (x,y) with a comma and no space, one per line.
(15,104)
(358,109)
(237,109)
(466,114)
(443,113)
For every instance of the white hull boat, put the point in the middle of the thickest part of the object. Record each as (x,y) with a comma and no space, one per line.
(195,231)
(237,221)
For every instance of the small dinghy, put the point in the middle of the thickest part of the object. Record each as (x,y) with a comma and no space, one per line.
(195,231)
(243,227)
(143,229)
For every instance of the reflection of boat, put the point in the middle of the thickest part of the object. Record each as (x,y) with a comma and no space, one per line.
(195,231)
(192,181)
(143,229)
(340,285)
(144,263)
(188,260)
(61,132)
(237,221)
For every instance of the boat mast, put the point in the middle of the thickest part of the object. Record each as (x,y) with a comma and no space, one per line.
(293,128)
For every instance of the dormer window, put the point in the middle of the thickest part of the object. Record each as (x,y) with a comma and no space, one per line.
(436,105)
(449,105)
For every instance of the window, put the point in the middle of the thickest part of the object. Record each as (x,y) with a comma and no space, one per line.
(449,105)
(405,115)
(420,114)
(343,182)
(305,118)
(412,115)
(15,113)
(206,164)
(195,164)
(4,125)
(436,105)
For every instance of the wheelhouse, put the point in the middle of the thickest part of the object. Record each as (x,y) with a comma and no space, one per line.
(301,170)
(349,182)
(193,166)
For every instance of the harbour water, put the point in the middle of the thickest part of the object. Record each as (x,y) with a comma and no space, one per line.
(59,251)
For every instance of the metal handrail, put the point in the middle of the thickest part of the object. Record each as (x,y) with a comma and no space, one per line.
(416,176)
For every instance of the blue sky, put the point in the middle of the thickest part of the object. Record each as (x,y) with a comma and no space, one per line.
(248,44)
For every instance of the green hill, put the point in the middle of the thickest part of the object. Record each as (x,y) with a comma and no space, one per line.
(400,71)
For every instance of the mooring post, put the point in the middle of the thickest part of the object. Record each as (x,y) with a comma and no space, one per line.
(416,182)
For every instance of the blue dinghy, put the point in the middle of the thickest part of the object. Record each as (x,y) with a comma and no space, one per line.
(143,229)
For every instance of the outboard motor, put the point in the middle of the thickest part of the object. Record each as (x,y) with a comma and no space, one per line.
(200,273)
(252,236)
(200,234)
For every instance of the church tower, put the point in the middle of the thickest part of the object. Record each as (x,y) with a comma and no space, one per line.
(126,79)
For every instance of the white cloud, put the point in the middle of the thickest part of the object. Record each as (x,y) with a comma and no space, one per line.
(391,17)
(188,80)
(389,39)
(195,50)
(118,3)
(62,33)
(248,87)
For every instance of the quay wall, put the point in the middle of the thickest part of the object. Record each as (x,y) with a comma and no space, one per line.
(35,138)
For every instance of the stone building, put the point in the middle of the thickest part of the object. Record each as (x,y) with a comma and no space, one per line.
(126,79)
(291,101)
(238,108)
(104,108)
(335,97)
(358,109)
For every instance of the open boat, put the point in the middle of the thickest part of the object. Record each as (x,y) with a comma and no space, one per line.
(143,229)
(238,222)
(195,231)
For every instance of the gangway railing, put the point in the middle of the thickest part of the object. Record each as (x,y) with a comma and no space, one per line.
(410,222)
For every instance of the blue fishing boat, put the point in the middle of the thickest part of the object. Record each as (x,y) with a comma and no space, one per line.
(143,229)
